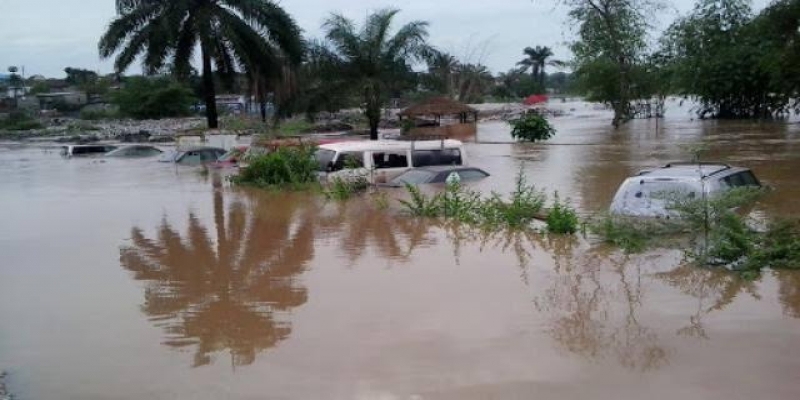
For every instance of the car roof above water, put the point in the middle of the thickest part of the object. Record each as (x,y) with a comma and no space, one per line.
(388,145)
(689,171)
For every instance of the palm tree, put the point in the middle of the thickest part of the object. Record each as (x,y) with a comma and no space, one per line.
(371,59)
(536,59)
(441,70)
(231,34)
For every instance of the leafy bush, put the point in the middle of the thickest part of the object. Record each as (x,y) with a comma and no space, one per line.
(633,234)
(286,167)
(20,121)
(562,218)
(467,206)
(532,127)
(525,205)
(343,189)
(419,204)
(153,98)
(459,203)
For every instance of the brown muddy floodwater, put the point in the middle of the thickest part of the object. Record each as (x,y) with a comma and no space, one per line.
(131,279)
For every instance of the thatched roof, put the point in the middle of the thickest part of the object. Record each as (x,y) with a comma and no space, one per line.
(437,106)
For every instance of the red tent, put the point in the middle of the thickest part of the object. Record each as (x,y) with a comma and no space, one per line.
(535,99)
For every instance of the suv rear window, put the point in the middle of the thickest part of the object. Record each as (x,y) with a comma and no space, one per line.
(425,158)
(744,178)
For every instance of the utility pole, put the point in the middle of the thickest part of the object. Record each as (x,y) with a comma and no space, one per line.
(14,81)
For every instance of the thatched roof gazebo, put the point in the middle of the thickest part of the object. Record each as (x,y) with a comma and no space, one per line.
(440,106)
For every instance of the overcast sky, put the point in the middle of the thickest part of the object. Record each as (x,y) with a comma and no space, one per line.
(46,36)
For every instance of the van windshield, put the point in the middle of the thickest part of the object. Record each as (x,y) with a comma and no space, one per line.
(324,158)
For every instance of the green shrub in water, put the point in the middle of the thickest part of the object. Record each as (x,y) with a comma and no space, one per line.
(525,205)
(286,167)
(343,189)
(420,205)
(562,219)
(460,203)
(532,127)
(464,205)
(631,234)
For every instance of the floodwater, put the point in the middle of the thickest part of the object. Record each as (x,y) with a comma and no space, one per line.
(131,279)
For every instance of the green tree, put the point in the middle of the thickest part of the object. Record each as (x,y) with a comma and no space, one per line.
(612,43)
(371,59)
(78,76)
(440,78)
(537,59)
(231,34)
(153,98)
(735,64)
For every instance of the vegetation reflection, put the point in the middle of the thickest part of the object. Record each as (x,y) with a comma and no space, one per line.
(228,294)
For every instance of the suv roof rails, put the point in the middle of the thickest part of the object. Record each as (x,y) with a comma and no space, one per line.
(723,166)
(689,163)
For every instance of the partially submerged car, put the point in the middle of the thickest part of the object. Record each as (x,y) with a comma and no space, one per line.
(648,193)
(379,161)
(134,151)
(437,174)
(231,158)
(193,155)
(78,150)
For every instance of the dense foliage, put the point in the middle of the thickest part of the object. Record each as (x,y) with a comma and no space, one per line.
(735,64)
(152,98)
(610,50)
(230,34)
(371,61)
(532,127)
(286,167)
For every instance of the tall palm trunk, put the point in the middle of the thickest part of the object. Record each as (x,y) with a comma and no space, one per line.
(209,94)
(373,109)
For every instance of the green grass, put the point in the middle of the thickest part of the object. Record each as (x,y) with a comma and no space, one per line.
(291,168)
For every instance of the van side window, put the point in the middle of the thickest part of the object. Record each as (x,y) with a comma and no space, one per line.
(390,160)
(348,160)
(424,158)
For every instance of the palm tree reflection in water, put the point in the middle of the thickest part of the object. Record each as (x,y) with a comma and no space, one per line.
(228,297)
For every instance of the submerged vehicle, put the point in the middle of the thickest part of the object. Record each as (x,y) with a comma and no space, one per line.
(134,151)
(382,160)
(77,150)
(232,158)
(437,174)
(647,194)
(194,155)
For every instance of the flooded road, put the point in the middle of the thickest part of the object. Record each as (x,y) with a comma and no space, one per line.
(132,279)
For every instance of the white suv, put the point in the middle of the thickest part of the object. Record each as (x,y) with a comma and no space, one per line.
(643,195)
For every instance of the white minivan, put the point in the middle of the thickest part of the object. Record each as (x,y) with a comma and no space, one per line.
(381,160)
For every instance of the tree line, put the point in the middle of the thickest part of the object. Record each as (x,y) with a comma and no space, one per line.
(735,63)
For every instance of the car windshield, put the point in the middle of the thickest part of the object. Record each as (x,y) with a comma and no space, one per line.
(414,177)
(324,158)
(232,155)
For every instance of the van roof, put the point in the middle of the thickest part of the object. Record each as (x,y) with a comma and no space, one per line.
(365,145)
